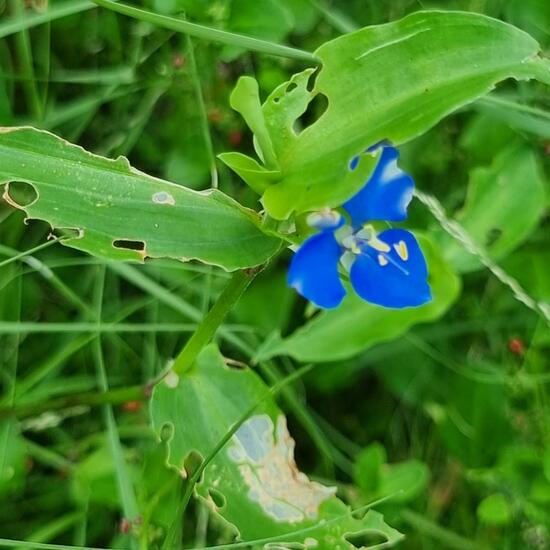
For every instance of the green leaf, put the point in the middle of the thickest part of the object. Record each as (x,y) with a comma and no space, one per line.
(123,214)
(253,482)
(410,478)
(94,479)
(390,82)
(245,99)
(267,19)
(516,115)
(305,12)
(493,216)
(252,173)
(356,325)
(368,466)
(376,478)
(12,457)
(495,510)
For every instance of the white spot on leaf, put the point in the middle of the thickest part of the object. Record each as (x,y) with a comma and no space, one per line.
(172,380)
(163,197)
(266,463)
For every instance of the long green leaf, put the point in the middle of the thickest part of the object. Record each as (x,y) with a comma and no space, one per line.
(123,214)
(206,33)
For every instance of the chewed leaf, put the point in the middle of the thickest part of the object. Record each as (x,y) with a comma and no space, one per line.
(120,213)
(259,450)
(283,107)
(386,82)
(246,100)
(253,482)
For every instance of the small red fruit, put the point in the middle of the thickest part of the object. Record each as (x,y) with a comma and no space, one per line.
(235,138)
(516,346)
(125,526)
(178,61)
(132,406)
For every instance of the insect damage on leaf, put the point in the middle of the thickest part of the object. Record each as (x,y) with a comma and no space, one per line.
(252,482)
(121,213)
(163,197)
(265,458)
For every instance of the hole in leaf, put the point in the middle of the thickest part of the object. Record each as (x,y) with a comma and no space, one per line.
(166,432)
(235,364)
(68,232)
(365,539)
(311,81)
(315,110)
(192,463)
(217,498)
(129,245)
(21,194)
(291,86)
(493,236)
(354,162)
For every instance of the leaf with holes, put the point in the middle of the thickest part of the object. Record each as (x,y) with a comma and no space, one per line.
(253,482)
(387,82)
(492,215)
(123,214)
(356,326)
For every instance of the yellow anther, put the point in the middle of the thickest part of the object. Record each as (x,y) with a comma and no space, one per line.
(402,250)
(379,245)
(382,260)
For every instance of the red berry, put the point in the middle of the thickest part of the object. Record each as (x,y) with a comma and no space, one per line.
(132,406)
(178,61)
(214,115)
(516,346)
(235,137)
(125,526)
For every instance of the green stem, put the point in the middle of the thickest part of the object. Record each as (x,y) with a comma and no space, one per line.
(207,137)
(208,33)
(18,23)
(18,256)
(113,397)
(25,60)
(213,319)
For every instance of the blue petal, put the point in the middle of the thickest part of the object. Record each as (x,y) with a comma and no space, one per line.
(396,278)
(313,270)
(385,196)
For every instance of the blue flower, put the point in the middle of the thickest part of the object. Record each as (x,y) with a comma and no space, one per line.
(386,268)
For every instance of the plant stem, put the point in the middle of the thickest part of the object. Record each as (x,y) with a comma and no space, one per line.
(25,61)
(17,23)
(213,319)
(207,137)
(20,255)
(208,33)
(114,397)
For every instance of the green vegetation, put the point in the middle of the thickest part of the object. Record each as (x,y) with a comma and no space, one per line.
(161,385)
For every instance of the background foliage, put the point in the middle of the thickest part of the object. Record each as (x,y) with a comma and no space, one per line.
(445,408)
